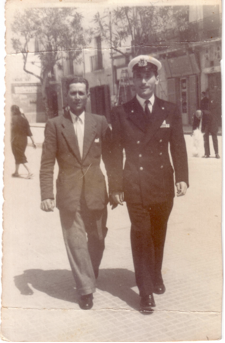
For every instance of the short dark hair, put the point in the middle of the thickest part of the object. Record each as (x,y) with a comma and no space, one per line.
(76,79)
(15,109)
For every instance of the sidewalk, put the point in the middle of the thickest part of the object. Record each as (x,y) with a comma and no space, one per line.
(40,301)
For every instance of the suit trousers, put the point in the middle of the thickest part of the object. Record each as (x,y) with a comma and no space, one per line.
(148,233)
(83,244)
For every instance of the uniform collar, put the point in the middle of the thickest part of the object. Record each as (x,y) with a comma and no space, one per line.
(142,101)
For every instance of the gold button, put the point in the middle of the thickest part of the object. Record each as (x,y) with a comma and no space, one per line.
(138,142)
(161,167)
(141,168)
(140,155)
(160,141)
(160,153)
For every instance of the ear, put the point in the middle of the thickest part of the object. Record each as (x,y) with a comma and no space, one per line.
(157,79)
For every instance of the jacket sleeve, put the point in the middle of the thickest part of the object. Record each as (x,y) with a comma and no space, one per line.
(116,174)
(178,149)
(48,161)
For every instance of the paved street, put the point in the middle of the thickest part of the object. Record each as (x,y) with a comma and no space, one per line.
(40,301)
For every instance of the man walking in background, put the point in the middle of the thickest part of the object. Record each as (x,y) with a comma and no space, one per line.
(211,111)
(78,140)
(145,127)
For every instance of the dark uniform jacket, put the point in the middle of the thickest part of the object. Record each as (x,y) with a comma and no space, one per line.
(211,113)
(147,177)
(75,174)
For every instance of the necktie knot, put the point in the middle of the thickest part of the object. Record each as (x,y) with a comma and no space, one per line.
(148,109)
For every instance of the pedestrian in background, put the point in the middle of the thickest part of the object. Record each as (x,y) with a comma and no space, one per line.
(77,140)
(20,130)
(197,133)
(145,127)
(211,111)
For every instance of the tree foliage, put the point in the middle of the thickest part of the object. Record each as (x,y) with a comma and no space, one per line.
(140,26)
(52,31)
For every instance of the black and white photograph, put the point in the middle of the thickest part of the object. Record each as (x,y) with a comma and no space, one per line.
(112,214)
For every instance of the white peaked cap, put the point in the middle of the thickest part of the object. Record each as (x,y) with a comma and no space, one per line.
(143,61)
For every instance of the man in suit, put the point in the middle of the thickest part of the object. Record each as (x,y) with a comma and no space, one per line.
(78,140)
(210,125)
(146,127)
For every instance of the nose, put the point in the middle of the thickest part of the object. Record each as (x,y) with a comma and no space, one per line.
(143,80)
(76,96)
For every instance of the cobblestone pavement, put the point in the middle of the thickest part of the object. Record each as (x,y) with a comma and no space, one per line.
(40,300)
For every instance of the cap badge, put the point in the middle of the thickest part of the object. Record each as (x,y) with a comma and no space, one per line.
(142,63)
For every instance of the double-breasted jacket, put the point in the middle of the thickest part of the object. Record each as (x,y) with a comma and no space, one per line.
(148,174)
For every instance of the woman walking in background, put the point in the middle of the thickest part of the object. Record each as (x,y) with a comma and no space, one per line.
(20,130)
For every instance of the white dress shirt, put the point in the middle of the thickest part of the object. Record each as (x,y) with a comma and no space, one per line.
(78,124)
(142,102)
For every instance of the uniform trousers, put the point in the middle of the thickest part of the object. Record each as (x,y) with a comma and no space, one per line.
(148,233)
(84,233)
(214,139)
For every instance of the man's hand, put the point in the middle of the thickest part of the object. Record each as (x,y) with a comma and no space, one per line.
(118,197)
(181,188)
(47,205)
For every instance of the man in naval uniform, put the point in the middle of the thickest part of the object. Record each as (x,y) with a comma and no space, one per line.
(145,128)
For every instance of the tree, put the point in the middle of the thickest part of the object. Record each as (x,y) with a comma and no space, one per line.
(140,26)
(55,30)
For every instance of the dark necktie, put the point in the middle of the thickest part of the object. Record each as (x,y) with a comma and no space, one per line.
(147,111)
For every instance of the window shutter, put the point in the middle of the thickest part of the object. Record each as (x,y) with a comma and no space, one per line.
(171,86)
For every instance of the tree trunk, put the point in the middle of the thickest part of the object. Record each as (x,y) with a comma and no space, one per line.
(45,95)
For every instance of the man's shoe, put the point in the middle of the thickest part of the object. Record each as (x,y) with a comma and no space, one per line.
(159,288)
(205,156)
(146,304)
(86,302)
(217,156)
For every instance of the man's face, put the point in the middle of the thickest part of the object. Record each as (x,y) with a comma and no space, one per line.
(77,97)
(144,83)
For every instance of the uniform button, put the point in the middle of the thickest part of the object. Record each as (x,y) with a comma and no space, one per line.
(141,168)
(160,141)
(161,167)
(138,142)
(140,155)
(160,153)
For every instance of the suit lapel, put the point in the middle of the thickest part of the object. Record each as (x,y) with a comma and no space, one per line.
(136,114)
(159,115)
(89,133)
(69,134)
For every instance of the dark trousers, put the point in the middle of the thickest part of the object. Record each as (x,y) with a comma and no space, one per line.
(84,245)
(148,233)
(206,142)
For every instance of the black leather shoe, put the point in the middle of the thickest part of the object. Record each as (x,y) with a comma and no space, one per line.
(217,156)
(159,288)
(146,304)
(86,302)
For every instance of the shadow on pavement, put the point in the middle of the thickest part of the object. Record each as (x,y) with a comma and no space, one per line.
(119,282)
(60,284)
(56,283)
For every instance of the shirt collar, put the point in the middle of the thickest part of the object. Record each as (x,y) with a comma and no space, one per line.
(74,117)
(142,101)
